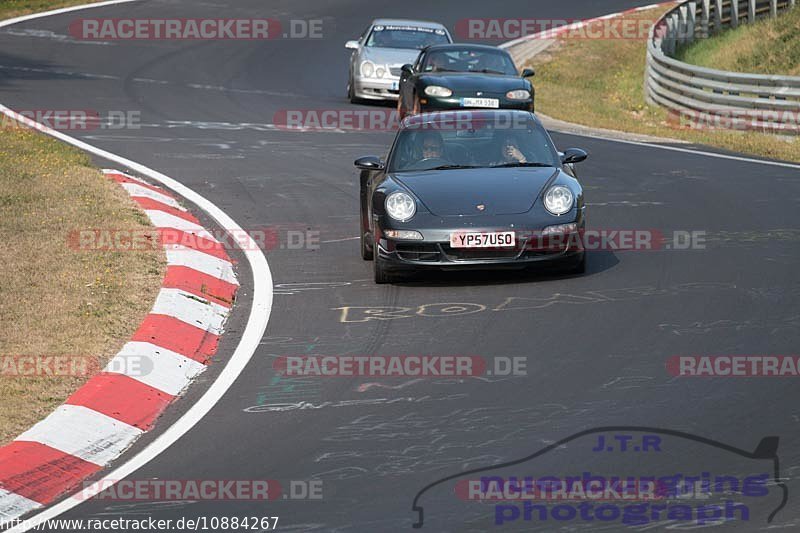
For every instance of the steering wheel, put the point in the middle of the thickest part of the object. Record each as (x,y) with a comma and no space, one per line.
(429,162)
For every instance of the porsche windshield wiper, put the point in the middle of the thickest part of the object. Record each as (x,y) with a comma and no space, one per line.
(520,164)
(451,167)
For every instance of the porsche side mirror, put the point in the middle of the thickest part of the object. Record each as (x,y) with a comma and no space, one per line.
(573,155)
(528,73)
(369,162)
(351,45)
(408,68)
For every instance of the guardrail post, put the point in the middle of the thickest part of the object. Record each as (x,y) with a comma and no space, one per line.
(704,15)
(773,8)
(669,39)
(751,11)
(718,15)
(734,13)
(682,25)
(691,22)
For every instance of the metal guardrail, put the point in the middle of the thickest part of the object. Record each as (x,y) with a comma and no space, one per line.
(701,96)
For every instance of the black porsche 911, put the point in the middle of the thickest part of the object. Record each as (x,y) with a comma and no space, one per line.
(463,76)
(471,189)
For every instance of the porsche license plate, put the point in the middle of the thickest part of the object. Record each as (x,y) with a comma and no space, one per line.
(505,239)
(481,102)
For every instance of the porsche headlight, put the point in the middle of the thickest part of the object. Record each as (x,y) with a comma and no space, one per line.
(519,94)
(437,90)
(367,69)
(558,200)
(400,206)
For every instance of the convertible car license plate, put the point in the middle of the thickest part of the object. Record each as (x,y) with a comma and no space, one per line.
(481,102)
(504,239)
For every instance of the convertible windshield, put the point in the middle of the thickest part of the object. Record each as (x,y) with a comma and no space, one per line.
(405,37)
(466,143)
(469,60)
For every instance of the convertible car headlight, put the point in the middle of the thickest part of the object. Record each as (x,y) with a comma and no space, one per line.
(519,94)
(400,206)
(437,90)
(367,69)
(558,200)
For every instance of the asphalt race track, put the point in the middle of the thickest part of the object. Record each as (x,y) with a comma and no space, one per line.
(595,345)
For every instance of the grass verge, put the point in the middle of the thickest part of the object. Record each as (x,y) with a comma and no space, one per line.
(16,8)
(600,83)
(54,300)
(768,46)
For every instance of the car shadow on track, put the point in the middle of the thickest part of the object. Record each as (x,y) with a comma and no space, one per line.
(598,261)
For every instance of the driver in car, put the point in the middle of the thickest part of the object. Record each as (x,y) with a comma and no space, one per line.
(432,145)
(510,150)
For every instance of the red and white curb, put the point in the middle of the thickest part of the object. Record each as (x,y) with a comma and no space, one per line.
(114,408)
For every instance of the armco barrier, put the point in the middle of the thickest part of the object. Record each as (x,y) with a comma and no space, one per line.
(725,99)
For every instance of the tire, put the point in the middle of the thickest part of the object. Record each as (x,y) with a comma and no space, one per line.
(579,268)
(351,92)
(367,252)
(381,275)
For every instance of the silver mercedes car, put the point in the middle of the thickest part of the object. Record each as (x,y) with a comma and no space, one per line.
(384,47)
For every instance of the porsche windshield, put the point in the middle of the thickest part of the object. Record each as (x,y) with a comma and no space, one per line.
(405,37)
(469,60)
(472,144)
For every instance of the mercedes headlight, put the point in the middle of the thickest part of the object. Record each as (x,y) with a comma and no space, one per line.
(519,94)
(400,206)
(367,69)
(380,71)
(437,90)
(558,200)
